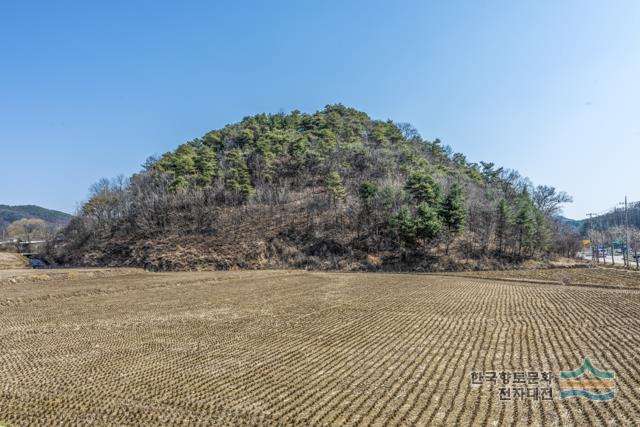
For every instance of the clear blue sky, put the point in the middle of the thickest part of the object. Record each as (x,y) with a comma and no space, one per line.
(90,89)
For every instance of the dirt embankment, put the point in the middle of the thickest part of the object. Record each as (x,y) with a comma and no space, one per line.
(251,250)
(10,260)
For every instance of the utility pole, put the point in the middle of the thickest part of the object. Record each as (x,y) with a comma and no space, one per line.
(594,252)
(625,254)
(626,227)
(613,255)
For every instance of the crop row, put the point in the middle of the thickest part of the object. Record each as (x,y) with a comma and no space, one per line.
(309,348)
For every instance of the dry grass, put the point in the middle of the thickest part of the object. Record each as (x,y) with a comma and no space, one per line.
(12,260)
(300,348)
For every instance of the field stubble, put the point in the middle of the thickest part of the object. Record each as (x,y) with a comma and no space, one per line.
(294,347)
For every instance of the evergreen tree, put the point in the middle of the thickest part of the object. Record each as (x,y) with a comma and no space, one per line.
(335,187)
(423,188)
(542,231)
(206,164)
(526,223)
(179,183)
(406,226)
(454,212)
(504,220)
(237,179)
(427,222)
(183,160)
(367,191)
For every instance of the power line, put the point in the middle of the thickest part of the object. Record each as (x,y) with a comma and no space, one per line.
(613,217)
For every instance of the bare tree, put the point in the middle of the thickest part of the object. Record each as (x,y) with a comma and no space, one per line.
(549,200)
(27,229)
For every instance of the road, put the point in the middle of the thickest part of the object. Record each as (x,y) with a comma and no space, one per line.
(619,259)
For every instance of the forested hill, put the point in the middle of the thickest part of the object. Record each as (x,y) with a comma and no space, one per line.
(614,225)
(9,214)
(333,189)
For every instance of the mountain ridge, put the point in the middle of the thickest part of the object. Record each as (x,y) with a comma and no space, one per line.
(9,214)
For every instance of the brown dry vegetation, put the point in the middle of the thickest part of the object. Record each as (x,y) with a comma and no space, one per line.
(12,260)
(294,347)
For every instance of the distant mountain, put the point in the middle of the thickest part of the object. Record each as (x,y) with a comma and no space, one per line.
(616,218)
(575,224)
(9,214)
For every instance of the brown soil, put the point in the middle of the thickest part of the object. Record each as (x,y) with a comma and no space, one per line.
(586,276)
(302,348)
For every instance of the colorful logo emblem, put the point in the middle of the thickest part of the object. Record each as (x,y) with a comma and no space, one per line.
(587,381)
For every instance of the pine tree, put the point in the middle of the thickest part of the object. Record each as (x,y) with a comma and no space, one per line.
(237,179)
(206,164)
(183,160)
(179,183)
(526,223)
(406,226)
(454,212)
(427,222)
(335,187)
(503,222)
(367,191)
(542,231)
(423,188)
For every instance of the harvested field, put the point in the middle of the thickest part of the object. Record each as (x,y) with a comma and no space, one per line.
(301,348)
(58,275)
(616,277)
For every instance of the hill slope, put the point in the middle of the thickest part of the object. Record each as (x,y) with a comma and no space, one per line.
(612,227)
(333,189)
(575,224)
(10,260)
(9,214)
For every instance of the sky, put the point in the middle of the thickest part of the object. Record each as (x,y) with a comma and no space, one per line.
(91,89)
